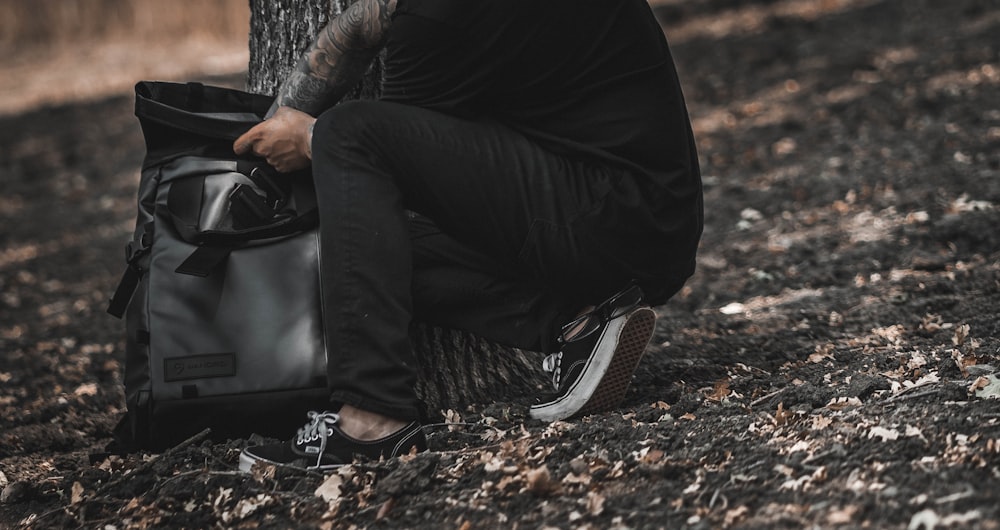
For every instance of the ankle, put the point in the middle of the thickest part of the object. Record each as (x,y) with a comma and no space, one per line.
(366,425)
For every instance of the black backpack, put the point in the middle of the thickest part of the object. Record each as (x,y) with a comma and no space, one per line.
(221,293)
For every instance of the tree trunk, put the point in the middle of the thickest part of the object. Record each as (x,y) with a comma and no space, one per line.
(455,368)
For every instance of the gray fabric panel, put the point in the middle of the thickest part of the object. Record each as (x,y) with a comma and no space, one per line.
(263,306)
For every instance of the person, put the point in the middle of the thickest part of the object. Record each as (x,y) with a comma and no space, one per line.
(528,175)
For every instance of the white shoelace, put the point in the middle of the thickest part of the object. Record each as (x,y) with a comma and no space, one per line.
(553,364)
(319,428)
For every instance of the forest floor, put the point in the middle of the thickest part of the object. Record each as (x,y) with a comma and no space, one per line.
(833,363)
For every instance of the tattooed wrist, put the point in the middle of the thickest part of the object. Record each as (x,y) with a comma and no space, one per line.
(304,92)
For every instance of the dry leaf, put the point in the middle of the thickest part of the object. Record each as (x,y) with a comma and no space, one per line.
(719,390)
(799,447)
(823,352)
(453,420)
(595,503)
(820,422)
(782,416)
(931,377)
(990,388)
(961,333)
(662,405)
(539,481)
(617,471)
(883,433)
(491,463)
(784,470)
(734,308)
(736,515)
(652,456)
(842,403)
(931,323)
(76,493)
(491,436)
(573,479)
(689,416)
(795,484)
(261,471)
(692,488)
(224,495)
(978,383)
(842,516)
(87,389)
(930,519)
(331,488)
(383,510)
(246,507)
(916,360)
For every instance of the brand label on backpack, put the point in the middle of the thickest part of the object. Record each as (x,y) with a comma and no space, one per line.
(199,366)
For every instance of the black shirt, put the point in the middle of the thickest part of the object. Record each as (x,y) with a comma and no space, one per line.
(589,77)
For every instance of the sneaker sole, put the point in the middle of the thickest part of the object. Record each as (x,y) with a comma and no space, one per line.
(605,381)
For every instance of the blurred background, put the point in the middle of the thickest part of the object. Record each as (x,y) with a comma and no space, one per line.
(58,51)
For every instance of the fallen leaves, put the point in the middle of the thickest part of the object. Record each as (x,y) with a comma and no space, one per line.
(332,488)
(841,403)
(595,503)
(539,482)
(720,390)
(783,416)
(842,516)
(823,353)
(246,507)
(76,493)
(884,434)
(986,387)
(87,389)
(892,334)
(735,515)
(961,334)
(805,482)
(821,422)
(929,519)
(453,419)
(734,308)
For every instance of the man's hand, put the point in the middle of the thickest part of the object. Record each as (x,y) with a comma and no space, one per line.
(284,140)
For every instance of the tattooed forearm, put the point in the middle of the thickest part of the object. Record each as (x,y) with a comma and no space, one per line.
(338,58)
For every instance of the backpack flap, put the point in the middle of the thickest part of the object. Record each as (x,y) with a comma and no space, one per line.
(193,119)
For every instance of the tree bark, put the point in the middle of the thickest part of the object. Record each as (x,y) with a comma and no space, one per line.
(455,368)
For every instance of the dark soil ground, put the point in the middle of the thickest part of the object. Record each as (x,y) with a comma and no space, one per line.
(830,365)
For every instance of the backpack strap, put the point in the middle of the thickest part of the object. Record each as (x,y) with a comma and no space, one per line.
(204,260)
(214,246)
(135,250)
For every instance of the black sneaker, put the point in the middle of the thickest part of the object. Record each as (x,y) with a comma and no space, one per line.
(600,351)
(322,446)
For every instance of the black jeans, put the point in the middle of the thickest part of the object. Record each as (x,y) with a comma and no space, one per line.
(508,240)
